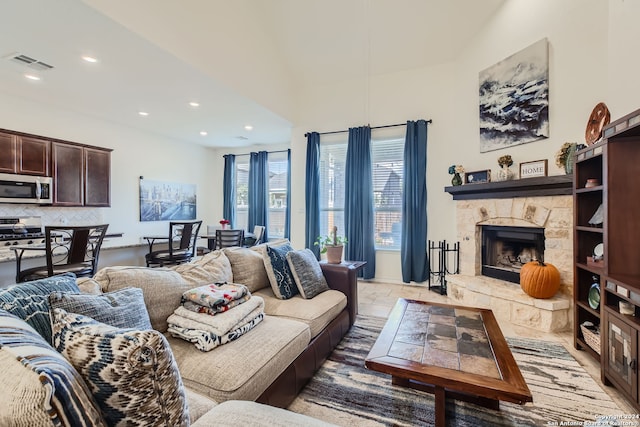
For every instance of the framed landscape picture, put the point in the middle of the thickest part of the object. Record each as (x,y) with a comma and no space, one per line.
(167,201)
(514,99)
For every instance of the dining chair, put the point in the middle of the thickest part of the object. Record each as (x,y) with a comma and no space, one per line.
(229,238)
(182,245)
(69,249)
(256,239)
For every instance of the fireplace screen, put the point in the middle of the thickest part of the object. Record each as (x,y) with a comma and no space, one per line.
(506,249)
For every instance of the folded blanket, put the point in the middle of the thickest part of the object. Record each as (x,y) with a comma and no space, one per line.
(197,308)
(207,341)
(216,294)
(220,324)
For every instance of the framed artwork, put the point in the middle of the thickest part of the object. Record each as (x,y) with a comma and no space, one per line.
(532,169)
(167,201)
(514,99)
(478,176)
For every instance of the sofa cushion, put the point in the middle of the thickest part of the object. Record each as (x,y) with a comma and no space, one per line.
(132,374)
(317,312)
(212,267)
(45,389)
(162,289)
(30,300)
(123,308)
(275,262)
(307,273)
(248,268)
(88,285)
(242,413)
(242,369)
(198,404)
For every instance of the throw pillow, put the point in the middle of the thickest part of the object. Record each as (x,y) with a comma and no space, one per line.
(248,268)
(30,300)
(278,271)
(210,268)
(122,309)
(132,374)
(40,387)
(307,273)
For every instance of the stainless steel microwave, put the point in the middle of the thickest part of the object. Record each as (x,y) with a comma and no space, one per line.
(26,189)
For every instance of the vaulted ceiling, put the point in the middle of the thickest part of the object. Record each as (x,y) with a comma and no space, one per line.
(243,61)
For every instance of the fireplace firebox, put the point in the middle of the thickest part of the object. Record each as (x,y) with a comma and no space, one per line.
(506,249)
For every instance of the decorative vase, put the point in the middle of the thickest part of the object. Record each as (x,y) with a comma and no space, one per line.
(334,254)
(504,174)
(457,179)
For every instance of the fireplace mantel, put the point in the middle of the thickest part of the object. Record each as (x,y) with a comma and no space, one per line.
(527,187)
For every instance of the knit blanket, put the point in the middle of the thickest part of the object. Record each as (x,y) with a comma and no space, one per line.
(216,295)
(207,341)
(220,324)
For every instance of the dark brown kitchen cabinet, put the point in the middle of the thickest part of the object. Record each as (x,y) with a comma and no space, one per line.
(97,177)
(68,174)
(81,175)
(24,155)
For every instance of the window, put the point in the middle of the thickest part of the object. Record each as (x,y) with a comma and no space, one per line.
(278,165)
(387,158)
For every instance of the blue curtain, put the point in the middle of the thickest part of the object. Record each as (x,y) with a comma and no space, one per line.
(358,206)
(413,251)
(312,193)
(287,213)
(259,191)
(229,188)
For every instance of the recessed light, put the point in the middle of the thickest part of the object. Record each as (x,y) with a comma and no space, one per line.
(32,77)
(143,113)
(248,127)
(89,59)
(194,104)
(203,133)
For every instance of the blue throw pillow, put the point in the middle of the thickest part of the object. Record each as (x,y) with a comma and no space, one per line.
(30,300)
(275,262)
(50,388)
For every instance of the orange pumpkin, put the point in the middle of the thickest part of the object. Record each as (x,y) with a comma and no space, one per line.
(539,279)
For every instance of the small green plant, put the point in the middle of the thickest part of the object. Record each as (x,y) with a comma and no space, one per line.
(331,240)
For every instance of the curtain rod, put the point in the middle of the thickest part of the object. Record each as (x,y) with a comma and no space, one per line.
(277,151)
(372,127)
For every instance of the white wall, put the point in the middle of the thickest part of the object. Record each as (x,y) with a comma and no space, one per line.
(448,94)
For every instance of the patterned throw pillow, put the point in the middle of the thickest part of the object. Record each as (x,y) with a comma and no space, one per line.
(122,309)
(307,273)
(278,271)
(39,386)
(30,300)
(132,374)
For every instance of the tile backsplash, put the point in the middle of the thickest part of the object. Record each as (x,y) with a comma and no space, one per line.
(52,215)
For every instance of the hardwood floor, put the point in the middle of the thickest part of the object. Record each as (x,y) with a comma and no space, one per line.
(377,299)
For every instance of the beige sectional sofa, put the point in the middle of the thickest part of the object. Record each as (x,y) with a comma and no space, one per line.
(269,364)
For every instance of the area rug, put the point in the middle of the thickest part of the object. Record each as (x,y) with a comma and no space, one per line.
(345,393)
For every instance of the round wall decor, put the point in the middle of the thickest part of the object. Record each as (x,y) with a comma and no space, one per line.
(599,118)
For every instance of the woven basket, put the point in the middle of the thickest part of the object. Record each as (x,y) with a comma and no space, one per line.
(591,338)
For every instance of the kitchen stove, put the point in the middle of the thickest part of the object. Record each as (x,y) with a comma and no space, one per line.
(25,230)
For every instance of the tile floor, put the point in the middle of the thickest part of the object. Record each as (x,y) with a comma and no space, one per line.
(377,299)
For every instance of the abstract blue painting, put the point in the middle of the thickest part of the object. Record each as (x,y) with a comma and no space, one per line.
(514,99)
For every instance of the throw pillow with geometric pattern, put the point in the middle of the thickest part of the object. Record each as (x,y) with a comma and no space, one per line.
(278,271)
(132,374)
(39,386)
(30,300)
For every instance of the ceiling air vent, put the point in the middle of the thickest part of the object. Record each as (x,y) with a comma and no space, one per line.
(243,138)
(29,62)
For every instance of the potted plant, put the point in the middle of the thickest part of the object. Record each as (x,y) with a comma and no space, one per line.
(332,245)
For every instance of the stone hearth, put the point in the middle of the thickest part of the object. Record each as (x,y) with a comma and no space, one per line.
(507,300)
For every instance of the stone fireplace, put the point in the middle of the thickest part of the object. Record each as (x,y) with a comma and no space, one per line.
(550,217)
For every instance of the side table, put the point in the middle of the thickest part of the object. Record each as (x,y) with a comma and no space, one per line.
(344,277)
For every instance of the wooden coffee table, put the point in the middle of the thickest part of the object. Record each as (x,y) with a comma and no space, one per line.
(451,351)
